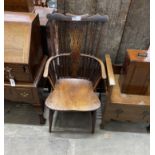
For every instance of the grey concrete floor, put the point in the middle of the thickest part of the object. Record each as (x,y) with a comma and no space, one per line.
(71,135)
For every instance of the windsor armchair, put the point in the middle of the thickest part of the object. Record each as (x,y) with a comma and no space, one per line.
(73,69)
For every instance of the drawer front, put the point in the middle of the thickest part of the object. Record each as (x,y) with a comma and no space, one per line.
(20,73)
(128,113)
(19,94)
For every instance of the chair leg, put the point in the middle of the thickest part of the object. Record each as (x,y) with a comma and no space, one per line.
(51,112)
(93,114)
(148,128)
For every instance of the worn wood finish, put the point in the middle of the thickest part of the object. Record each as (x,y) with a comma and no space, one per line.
(110,73)
(128,113)
(73,70)
(73,95)
(121,98)
(27,92)
(137,29)
(126,107)
(21,44)
(19,5)
(135,73)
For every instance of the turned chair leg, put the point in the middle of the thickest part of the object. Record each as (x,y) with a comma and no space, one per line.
(51,112)
(93,115)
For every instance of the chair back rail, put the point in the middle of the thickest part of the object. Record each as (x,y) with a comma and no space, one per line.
(75,35)
(59,66)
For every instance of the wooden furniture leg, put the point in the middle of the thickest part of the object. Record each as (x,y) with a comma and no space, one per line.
(39,110)
(42,119)
(148,128)
(93,115)
(51,112)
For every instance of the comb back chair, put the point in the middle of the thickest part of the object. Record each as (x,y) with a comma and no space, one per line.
(73,69)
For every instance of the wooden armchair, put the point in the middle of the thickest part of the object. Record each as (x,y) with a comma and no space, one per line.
(110,83)
(73,70)
(120,106)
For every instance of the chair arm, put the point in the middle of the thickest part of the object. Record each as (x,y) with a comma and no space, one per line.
(103,73)
(110,73)
(45,75)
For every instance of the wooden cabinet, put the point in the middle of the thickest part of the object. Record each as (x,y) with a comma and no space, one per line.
(27,92)
(135,73)
(22,46)
(19,5)
(23,59)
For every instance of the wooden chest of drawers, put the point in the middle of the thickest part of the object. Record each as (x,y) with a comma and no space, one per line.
(22,46)
(20,94)
(27,92)
(126,107)
(19,5)
(135,73)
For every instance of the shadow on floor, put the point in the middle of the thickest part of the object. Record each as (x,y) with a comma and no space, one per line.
(17,113)
(20,113)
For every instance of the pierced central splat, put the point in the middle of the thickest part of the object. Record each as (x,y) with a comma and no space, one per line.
(75,46)
(75,37)
(76,40)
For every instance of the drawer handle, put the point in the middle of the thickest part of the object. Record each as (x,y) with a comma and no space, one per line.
(8,70)
(24,94)
(118,112)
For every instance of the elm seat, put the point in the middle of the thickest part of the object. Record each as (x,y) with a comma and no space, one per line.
(71,94)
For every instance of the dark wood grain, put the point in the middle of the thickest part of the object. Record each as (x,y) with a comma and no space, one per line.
(135,74)
(67,35)
(19,5)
